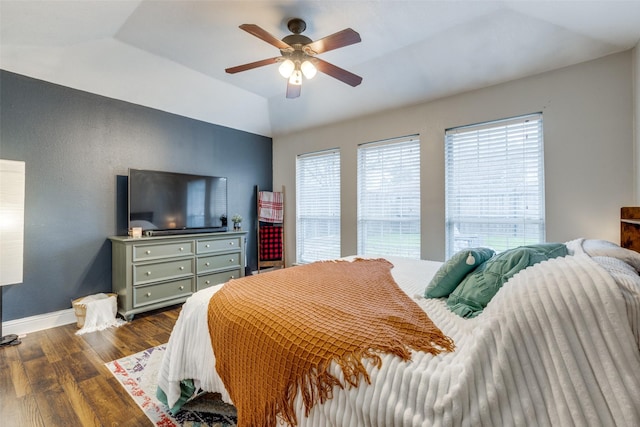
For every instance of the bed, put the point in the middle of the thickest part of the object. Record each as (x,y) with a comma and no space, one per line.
(558,344)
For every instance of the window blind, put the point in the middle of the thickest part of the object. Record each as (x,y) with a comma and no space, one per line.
(389,197)
(494,184)
(318,206)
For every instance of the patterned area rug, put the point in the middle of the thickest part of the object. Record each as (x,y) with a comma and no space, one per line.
(138,374)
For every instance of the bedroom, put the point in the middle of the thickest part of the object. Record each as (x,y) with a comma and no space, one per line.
(67,254)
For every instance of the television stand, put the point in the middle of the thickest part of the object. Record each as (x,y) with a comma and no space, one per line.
(159,271)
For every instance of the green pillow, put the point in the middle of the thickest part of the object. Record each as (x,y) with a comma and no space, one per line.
(451,273)
(187,390)
(476,290)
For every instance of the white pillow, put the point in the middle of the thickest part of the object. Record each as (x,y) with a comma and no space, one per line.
(594,248)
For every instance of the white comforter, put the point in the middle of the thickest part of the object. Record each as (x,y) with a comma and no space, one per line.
(558,345)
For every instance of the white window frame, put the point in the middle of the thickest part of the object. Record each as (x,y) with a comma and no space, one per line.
(318,206)
(494,184)
(389,197)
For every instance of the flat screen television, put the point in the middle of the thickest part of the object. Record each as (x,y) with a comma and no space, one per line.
(175,203)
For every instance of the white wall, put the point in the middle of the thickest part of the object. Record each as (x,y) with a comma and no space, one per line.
(589,149)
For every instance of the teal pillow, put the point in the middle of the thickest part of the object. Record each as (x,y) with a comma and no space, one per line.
(187,390)
(476,290)
(451,273)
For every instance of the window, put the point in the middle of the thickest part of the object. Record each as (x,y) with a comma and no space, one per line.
(389,198)
(494,184)
(318,206)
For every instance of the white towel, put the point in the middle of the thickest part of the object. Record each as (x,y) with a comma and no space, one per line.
(100,313)
(270,207)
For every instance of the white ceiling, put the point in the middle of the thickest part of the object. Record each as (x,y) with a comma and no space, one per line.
(171,55)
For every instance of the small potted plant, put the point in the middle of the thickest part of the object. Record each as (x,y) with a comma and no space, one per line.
(237,221)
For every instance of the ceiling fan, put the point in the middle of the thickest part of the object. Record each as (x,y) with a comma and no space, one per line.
(298,55)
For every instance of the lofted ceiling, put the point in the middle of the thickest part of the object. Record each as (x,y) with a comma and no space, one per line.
(171,55)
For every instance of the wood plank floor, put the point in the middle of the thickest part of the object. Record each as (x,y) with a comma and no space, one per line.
(57,378)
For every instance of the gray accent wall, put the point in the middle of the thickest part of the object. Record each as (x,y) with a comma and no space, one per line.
(78,148)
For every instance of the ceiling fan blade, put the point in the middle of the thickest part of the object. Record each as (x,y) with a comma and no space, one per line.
(264,35)
(334,41)
(252,65)
(337,72)
(293,91)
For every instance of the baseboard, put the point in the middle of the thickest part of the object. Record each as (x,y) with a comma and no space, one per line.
(39,322)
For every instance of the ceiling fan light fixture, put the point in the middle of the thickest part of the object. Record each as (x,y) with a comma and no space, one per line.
(296,77)
(308,69)
(286,68)
(298,55)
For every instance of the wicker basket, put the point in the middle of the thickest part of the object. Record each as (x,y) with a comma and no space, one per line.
(81,309)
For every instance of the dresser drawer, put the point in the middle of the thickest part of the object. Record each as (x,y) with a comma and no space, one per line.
(216,262)
(147,273)
(216,278)
(145,295)
(162,250)
(217,245)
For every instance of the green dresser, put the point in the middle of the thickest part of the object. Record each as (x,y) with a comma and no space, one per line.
(155,272)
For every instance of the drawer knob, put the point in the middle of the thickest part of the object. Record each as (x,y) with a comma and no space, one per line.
(231,243)
(181,268)
(208,282)
(181,287)
(207,245)
(148,294)
(231,260)
(181,249)
(207,264)
(148,273)
(148,252)
(232,277)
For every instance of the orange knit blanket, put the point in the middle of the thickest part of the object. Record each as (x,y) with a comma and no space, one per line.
(276,333)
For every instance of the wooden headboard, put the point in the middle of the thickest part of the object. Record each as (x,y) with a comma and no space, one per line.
(630,228)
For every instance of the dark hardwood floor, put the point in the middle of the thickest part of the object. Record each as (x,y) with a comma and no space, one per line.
(57,378)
